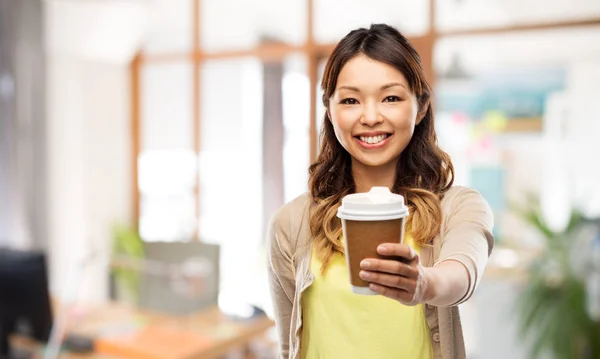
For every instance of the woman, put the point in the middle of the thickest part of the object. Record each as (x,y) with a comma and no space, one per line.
(378,130)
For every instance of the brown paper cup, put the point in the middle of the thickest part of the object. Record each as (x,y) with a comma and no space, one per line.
(368,220)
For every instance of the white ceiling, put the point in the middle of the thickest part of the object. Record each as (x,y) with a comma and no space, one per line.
(110,31)
(114,29)
(238,24)
(489,13)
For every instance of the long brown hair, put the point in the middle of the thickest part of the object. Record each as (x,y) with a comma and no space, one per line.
(424,172)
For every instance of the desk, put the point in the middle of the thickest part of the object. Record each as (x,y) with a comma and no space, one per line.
(220,333)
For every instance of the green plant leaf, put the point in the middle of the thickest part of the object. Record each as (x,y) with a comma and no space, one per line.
(552,313)
(127,242)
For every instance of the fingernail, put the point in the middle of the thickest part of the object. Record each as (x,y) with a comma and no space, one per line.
(382,248)
(364,275)
(413,253)
(365,264)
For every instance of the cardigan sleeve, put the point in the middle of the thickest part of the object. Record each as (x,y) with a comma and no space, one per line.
(281,276)
(468,236)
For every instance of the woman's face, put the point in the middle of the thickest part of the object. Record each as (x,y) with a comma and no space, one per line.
(373,111)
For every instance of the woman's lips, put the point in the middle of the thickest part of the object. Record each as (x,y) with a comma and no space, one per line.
(376,145)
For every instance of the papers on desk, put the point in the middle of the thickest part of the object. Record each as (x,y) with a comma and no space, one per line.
(124,332)
(153,342)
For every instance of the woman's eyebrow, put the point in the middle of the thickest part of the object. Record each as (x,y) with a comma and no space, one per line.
(393,84)
(350,88)
(384,87)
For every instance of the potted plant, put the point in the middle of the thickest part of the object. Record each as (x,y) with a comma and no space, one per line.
(552,310)
(127,244)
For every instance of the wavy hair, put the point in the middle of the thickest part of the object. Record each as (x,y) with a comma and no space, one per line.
(424,172)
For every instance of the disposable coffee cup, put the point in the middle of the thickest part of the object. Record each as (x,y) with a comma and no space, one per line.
(368,220)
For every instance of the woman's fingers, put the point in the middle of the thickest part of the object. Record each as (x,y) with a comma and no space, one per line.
(390,280)
(397,250)
(390,266)
(399,276)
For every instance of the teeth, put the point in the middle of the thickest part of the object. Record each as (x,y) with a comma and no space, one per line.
(374,139)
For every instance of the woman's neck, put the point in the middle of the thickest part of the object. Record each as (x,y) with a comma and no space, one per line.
(366,177)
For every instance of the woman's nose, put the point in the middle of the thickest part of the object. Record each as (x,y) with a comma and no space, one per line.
(371,116)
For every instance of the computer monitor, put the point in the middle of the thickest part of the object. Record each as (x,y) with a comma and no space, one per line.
(24,298)
(163,293)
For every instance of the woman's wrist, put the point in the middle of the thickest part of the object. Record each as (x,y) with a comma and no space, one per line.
(431,283)
(447,283)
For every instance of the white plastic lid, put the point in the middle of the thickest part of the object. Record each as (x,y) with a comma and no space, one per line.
(376,205)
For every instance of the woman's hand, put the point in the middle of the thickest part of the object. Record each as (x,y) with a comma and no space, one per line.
(400,276)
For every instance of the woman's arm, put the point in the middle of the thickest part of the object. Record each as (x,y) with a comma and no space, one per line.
(281,278)
(467,243)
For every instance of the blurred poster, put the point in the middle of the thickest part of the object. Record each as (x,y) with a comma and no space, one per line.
(515,94)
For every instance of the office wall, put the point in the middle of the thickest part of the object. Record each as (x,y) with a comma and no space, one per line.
(22,125)
(7,109)
(582,136)
(88,157)
(89,47)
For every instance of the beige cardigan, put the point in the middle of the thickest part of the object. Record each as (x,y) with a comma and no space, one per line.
(465,236)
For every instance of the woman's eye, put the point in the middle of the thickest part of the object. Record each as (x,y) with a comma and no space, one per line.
(349,101)
(392,99)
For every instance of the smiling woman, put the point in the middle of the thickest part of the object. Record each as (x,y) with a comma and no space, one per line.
(378,130)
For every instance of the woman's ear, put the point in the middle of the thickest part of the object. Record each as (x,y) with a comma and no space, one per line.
(423,111)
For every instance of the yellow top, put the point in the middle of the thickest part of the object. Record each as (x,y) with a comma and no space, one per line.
(340,324)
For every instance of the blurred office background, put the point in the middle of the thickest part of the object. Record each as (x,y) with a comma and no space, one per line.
(193,120)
